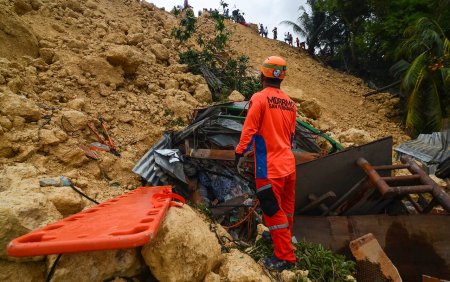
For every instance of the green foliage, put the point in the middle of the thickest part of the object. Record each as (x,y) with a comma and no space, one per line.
(187,26)
(425,81)
(322,264)
(177,122)
(362,36)
(231,72)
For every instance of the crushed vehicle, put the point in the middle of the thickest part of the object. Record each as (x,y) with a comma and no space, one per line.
(341,196)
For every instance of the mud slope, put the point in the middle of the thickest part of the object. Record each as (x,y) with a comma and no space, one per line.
(344,110)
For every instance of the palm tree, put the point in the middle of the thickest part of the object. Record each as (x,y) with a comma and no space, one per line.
(309,26)
(425,76)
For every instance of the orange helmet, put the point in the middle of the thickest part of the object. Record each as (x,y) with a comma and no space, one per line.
(274,67)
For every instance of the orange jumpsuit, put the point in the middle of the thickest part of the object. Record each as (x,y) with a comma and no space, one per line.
(269,128)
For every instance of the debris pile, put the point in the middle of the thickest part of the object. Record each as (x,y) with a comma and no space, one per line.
(67,63)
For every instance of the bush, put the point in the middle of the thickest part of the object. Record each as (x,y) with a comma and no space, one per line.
(228,74)
(321,263)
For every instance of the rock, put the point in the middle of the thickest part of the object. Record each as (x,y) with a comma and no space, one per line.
(5,122)
(126,57)
(36,4)
(288,276)
(212,277)
(97,266)
(297,95)
(135,38)
(20,176)
(237,267)
(118,38)
(22,7)
(48,137)
(178,68)
(355,136)
(22,211)
(7,149)
(66,201)
(47,55)
(74,5)
(160,52)
(102,70)
(70,154)
(202,94)
(180,103)
(193,252)
(91,5)
(77,104)
(236,96)
(74,119)
(311,109)
(22,271)
(15,105)
(16,37)
(260,229)
(171,84)
(297,276)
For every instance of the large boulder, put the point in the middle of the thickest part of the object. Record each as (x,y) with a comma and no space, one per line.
(66,200)
(236,96)
(22,7)
(202,94)
(22,271)
(15,105)
(160,51)
(184,249)
(74,120)
(354,136)
(20,176)
(97,266)
(16,37)
(240,267)
(125,56)
(103,71)
(22,211)
(311,109)
(180,103)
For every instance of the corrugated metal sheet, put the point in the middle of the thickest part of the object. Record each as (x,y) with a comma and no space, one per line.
(147,168)
(429,149)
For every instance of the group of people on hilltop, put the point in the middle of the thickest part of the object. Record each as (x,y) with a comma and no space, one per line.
(263,31)
(288,38)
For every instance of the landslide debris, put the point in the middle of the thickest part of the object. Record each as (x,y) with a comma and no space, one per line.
(64,63)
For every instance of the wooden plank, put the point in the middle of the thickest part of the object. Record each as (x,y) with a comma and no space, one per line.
(372,263)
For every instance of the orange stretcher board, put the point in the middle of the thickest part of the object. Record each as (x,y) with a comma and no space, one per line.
(127,221)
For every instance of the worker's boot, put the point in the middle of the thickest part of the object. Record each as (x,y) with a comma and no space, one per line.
(274,264)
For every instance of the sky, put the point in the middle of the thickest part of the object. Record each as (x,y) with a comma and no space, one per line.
(268,12)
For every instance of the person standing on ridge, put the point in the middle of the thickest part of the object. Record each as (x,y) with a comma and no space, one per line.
(266,32)
(298,42)
(269,128)
(275,31)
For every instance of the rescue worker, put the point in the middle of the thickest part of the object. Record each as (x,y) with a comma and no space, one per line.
(275,31)
(269,127)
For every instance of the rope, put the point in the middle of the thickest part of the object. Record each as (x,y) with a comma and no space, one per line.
(53,268)
(245,218)
(82,194)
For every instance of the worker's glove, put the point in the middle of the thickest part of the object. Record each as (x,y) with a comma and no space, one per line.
(237,157)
